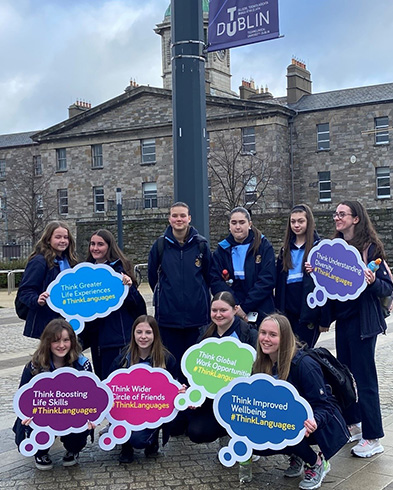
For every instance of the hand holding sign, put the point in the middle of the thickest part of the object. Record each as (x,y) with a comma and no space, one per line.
(86,292)
(211,365)
(338,272)
(260,412)
(59,403)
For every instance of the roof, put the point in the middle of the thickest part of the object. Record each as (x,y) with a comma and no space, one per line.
(347,97)
(17,139)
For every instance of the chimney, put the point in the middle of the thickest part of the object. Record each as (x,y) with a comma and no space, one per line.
(247,89)
(77,108)
(298,81)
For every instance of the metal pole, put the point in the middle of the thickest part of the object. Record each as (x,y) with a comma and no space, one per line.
(189,110)
(119,218)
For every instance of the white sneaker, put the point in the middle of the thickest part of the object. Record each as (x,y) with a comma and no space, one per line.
(356,432)
(366,448)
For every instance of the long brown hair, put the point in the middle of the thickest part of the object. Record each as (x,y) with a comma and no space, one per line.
(257,233)
(158,352)
(114,253)
(52,333)
(44,247)
(364,232)
(289,235)
(286,351)
(228,298)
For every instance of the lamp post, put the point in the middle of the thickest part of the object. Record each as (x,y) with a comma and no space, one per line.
(119,218)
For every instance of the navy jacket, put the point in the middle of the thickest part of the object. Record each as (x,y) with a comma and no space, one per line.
(114,330)
(36,279)
(255,292)
(307,377)
(368,306)
(307,314)
(242,330)
(181,281)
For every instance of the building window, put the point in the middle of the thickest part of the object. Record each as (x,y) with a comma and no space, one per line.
(323,136)
(61,158)
(2,169)
(383,182)
(96,156)
(148,151)
(207,143)
(39,206)
(99,200)
(62,201)
(381,130)
(37,165)
(248,140)
(149,190)
(325,187)
(250,194)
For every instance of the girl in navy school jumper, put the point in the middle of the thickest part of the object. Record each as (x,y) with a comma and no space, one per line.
(54,252)
(202,424)
(109,335)
(145,348)
(358,322)
(293,283)
(279,355)
(58,348)
(244,265)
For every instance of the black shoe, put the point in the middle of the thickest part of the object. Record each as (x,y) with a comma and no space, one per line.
(70,459)
(152,449)
(43,463)
(127,454)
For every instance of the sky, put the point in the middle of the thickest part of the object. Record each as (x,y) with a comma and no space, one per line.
(54,52)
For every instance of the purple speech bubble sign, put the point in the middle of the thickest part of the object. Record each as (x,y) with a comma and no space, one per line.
(60,402)
(338,272)
(144,397)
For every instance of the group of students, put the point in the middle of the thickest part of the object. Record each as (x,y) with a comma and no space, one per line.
(248,287)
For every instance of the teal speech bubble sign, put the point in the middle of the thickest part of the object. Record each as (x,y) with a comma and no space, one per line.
(210,365)
(86,292)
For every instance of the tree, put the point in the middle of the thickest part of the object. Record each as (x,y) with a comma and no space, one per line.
(237,177)
(29,204)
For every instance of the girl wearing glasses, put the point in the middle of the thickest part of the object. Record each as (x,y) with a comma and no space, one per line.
(358,322)
(293,283)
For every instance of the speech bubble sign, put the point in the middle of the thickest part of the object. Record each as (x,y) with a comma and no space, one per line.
(259,412)
(143,399)
(60,402)
(86,292)
(211,365)
(338,272)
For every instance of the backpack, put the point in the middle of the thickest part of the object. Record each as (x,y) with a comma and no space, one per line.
(337,375)
(21,309)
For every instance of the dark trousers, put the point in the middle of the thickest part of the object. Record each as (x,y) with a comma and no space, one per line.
(103,359)
(302,331)
(140,439)
(202,424)
(302,450)
(74,443)
(359,356)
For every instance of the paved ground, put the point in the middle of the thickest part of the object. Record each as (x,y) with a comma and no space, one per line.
(182,464)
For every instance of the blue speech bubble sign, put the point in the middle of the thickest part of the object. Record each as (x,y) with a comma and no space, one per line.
(86,292)
(338,272)
(259,412)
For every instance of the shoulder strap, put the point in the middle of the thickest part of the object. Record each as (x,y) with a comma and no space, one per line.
(160,248)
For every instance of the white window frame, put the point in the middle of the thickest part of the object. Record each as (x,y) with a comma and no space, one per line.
(37,162)
(149,192)
(2,169)
(248,140)
(382,176)
(97,160)
(62,201)
(381,130)
(61,159)
(250,191)
(324,186)
(148,151)
(323,137)
(99,199)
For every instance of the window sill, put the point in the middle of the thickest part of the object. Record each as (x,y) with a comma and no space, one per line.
(147,164)
(61,171)
(322,150)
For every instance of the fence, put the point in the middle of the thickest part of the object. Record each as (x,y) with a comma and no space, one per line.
(15,250)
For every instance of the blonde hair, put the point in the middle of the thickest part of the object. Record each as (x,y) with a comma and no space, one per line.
(286,350)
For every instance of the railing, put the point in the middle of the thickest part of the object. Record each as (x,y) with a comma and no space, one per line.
(141,204)
(13,251)
(11,278)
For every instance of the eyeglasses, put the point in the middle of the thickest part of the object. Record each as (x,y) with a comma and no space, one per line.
(341,215)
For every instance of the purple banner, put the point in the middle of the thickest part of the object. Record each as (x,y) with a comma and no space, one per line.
(239,22)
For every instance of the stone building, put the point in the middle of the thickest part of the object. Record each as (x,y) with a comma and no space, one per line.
(314,148)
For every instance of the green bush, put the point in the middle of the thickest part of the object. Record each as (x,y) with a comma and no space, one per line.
(11,265)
